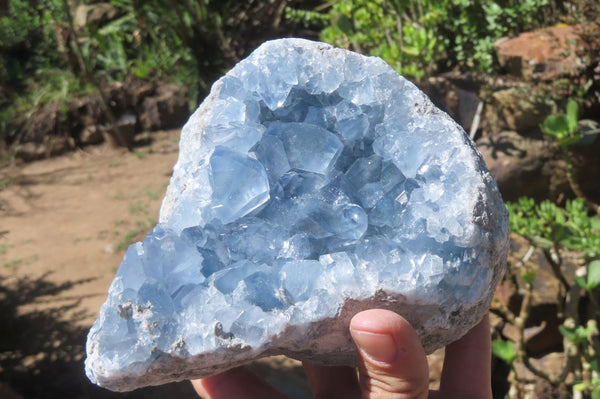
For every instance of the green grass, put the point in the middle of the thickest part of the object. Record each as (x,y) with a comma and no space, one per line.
(13,263)
(138,207)
(151,194)
(7,182)
(141,227)
(146,224)
(127,240)
(118,197)
(114,164)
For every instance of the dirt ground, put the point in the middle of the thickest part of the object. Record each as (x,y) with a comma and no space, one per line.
(65,223)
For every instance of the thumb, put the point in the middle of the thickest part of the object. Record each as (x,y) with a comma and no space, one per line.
(392,362)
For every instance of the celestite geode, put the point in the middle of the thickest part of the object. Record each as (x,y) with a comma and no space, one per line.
(312,183)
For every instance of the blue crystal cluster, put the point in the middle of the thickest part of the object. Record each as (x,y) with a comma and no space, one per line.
(310,176)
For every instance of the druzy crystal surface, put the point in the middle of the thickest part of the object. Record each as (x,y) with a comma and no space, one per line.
(312,183)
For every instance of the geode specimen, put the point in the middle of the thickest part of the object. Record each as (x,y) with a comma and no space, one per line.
(312,183)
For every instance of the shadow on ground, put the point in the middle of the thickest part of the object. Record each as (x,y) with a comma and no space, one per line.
(41,353)
(42,350)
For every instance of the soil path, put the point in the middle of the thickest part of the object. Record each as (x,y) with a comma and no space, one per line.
(70,218)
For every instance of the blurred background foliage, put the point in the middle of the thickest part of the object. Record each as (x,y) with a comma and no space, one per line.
(52,49)
(420,38)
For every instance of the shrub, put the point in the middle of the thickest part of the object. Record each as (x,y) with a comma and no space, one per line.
(419,38)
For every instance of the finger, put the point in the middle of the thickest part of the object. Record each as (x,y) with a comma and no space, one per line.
(392,362)
(467,364)
(332,382)
(235,383)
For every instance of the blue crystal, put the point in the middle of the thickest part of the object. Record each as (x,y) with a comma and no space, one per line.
(364,171)
(262,289)
(351,122)
(239,184)
(227,279)
(271,154)
(308,147)
(299,279)
(311,183)
(348,221)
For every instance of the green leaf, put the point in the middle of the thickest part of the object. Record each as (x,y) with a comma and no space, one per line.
(541,242)
(593,279)
(581,282)
(528,277)
(559,232)
(556,126)
(588,130)
(343,23)
(595,364)
(580,334)
(569,141)
(568,334)
(572,115)
(580,386)
(504,350)
(411,50)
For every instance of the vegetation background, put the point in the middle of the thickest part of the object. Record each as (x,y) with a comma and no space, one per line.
(62,61)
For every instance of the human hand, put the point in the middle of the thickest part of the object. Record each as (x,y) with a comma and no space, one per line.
(392,365)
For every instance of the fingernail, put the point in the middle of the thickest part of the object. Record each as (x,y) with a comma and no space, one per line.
(378,347)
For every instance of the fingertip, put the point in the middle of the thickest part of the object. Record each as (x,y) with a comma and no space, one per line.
(392,361)
(381,321)
(238,383)
(467,364)
(378,321)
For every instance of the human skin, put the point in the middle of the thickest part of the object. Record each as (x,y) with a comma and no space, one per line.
(392,365)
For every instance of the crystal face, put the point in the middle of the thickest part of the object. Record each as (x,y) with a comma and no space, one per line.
(311,183)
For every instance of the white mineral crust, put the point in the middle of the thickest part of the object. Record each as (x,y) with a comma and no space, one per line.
(312,183)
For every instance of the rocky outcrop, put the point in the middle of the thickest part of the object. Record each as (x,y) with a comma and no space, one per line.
(543,54)
(137,105)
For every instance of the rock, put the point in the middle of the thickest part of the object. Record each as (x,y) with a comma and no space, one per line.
(91,135)
(166,110)
(552,364)
(460,103)
(543,54)
(541,329)
(121,135)
(521,109)
(524,166)
(535,167)
(312,183)
(51,146)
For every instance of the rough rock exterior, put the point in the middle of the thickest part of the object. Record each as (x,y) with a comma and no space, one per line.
(311,184)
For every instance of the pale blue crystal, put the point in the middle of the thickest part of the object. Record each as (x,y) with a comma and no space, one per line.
(364,171)
(262,289)
(299,279)
(351,122)
(311,183)
(308,147)
(271,154)
(239,184)
(318,116)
